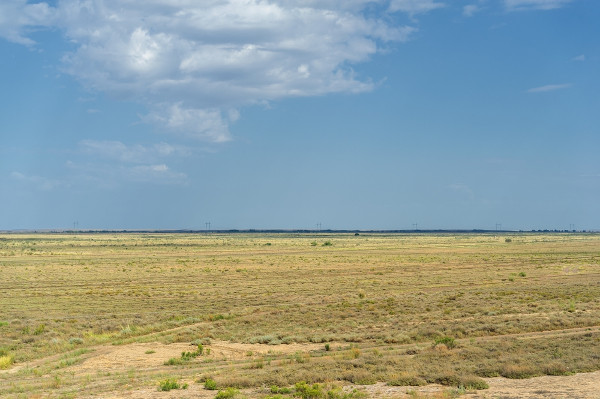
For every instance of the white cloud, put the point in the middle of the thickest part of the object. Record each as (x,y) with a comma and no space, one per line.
(117,151)
(193,62)
(17,18)
(580,58)
(535,4)
(547,88)
(413,7)
(470,10)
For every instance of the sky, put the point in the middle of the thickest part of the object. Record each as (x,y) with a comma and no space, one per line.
(281,114)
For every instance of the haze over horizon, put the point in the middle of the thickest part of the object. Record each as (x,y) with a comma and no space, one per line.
(248,114)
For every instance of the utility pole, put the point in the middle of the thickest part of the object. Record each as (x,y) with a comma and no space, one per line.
(498,226)
(207,224)
(416,226)
(319,226)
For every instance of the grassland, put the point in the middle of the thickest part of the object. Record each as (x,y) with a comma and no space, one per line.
(275,310)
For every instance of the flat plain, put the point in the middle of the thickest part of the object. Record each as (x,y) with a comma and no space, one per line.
(256,315)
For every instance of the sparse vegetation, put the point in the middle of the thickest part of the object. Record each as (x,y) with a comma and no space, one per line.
(406,310)
(170,383)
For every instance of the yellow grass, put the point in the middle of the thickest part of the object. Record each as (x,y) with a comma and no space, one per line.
(520,308)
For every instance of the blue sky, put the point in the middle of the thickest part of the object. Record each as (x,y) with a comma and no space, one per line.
(282,114)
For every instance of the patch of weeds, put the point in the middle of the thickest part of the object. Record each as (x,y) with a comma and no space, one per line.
(174,362)
(517,371)
(522,274)
(228,393)
(171,383)
(210,384)
(407,380)
(149,352)
(313,244)
(327,347)
(448,341)
(306,391)
(75,341)
(201,341)
(6,361)
(39,329)
(3,323)
(327,244)
(282,390)
(338,393)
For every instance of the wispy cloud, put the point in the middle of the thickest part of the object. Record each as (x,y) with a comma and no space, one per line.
(413,7)
(118,151)
(38,182)
(579,58)
(547,88)
(515,5)
(471,9)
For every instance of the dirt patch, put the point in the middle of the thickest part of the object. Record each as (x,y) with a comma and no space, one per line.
(144,356)
(580,386)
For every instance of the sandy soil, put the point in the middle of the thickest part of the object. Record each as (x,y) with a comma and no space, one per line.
(149,356)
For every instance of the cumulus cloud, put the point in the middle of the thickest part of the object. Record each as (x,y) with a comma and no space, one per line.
(547,88)
(194,63)
(535,4)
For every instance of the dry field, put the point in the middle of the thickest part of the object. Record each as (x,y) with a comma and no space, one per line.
(403,315)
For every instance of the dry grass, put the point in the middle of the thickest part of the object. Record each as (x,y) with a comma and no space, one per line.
(380,301)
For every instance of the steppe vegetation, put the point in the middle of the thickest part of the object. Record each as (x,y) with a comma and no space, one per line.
(292,315)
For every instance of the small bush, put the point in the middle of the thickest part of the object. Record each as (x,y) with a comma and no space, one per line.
(210,384)
(448,341)
(149,352)
(173,362)
(227,393)
(6,361)
(507,240)
(407,380)
(284,390)
(75,341)
(517,371)
(327,347)
(522,274)
(306,391)
(170,383)
(39,329)
(327,244)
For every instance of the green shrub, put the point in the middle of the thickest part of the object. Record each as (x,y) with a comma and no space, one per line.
(210,384)
(39,329)
(227,393)
(327,244)
(306,391)
(6,361)
(173,362)
(327,347)
(448,341)
(276,389)
(170,383)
